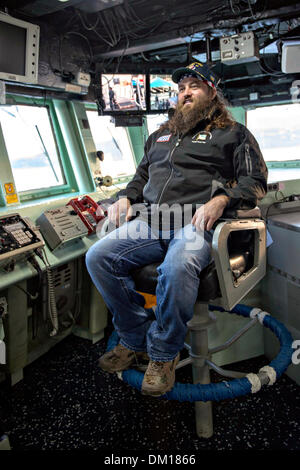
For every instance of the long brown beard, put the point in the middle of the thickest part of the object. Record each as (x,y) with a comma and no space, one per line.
(187,117)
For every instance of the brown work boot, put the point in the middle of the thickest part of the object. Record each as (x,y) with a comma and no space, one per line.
(121,358)
(159,377)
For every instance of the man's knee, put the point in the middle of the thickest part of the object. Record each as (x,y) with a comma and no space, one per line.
(97,256)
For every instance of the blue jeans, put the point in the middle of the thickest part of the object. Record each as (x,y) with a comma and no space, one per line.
(183,254)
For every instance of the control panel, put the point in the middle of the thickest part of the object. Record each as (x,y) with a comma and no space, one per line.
(61,225)
(17,236)
(239,48)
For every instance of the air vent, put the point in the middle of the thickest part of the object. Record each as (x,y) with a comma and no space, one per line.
(62,275)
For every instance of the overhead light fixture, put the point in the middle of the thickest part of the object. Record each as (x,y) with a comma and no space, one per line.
(92,6)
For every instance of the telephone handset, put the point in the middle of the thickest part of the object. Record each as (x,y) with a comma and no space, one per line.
(89,211)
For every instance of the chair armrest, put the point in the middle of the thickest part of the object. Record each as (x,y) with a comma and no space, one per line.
(254,213)
(233,290)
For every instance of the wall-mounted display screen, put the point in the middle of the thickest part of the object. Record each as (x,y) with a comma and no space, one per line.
(14,37)
(124,92)
(163,92)
(19,50)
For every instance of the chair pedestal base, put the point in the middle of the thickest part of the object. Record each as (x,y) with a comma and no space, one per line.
(198,327)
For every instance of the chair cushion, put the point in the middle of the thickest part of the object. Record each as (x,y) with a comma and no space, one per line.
(145,279)
(240,248)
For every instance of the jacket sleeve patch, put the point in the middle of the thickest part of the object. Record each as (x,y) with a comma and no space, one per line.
(164,138)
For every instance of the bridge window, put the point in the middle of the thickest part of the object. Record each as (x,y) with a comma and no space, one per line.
(276,128)
(154,121)
(114,142)
(31,147)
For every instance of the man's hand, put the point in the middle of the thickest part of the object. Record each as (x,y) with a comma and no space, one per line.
(205,217)
(114,212)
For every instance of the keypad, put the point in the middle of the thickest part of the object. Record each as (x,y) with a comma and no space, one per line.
(21,237)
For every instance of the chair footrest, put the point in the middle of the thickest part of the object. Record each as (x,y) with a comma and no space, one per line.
(225,373)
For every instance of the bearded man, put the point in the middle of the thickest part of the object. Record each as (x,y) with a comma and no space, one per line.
(201,161)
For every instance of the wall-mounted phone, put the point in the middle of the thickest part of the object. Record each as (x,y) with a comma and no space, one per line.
(89,211)
(18,236)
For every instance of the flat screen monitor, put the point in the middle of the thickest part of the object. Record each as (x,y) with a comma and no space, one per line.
(124,93)
(19,50)
(163,92)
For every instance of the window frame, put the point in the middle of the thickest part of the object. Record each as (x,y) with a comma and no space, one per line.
(70,186)
(121,179)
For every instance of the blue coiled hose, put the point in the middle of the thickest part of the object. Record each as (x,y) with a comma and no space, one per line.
(222,390)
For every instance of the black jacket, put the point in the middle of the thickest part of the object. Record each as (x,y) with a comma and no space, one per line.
(199,166)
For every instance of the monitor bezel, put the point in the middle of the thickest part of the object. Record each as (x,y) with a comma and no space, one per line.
(31,51)
(151,110)
(134,112)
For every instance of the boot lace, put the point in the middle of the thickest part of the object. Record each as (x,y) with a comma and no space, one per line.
(156,366)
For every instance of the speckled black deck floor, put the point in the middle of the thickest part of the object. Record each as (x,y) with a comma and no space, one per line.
(65,402)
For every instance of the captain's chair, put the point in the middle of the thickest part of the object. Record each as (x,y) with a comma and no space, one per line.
(239,263)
